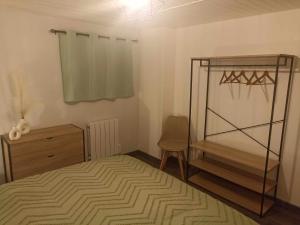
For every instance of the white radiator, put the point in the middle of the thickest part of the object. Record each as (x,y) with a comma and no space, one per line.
(103,137)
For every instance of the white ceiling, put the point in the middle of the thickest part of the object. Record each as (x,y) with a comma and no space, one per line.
(173,13)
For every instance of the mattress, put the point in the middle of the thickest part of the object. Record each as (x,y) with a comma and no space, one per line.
(117,191)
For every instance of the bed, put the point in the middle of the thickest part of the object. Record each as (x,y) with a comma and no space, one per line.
(116,191)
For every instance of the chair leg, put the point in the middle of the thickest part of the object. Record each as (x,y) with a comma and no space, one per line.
(163,160)
(183,157)
(180,161)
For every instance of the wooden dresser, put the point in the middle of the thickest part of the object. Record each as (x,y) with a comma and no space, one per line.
(42,150)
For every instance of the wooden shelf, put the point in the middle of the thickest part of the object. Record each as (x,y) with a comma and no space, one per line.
(245,198)
(232,174)
(235,155)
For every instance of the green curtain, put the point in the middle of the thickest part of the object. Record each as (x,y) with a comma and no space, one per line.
(95,68)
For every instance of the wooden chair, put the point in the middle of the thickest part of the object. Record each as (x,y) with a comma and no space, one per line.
(174,139)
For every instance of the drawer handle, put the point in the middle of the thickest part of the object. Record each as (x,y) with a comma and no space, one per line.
(49,138)
(50,156)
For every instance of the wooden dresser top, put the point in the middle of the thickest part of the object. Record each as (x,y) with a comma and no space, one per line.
(43,133)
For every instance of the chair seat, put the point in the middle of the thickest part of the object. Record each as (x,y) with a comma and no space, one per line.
(173,145)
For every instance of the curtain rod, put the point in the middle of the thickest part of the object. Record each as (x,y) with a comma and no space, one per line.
(87,35)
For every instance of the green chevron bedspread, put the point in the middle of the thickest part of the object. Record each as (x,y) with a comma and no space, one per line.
(117,190)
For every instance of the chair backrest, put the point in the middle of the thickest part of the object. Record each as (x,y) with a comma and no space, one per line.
(175,128)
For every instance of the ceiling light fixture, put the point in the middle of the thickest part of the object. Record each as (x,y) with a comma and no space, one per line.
(134,5)
(139,10)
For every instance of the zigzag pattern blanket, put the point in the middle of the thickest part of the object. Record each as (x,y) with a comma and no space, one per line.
(114,191)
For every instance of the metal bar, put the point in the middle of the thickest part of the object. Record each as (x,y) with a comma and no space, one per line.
(249,70)
(57,31)
(270,137)
(207,99)
(3,158)
(82,34)
(206,104)
(242,131)
(10,163)
(244,128)
(274,56)
(240,65)
(84,145)
(250,65)
(88,143)
(285,60)
(190,121)
(120,39)
(229,82)
(284,122)
(104,37)
(201,62)
(11,178)
(65,32)
(85,34)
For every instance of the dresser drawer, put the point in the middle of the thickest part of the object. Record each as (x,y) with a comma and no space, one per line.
(46,154)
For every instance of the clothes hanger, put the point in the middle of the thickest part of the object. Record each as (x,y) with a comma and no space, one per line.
(231,77)
(253,79)
(228,79)
(242,78)
(266,75)
(263,79)
(224,77)
(238,79)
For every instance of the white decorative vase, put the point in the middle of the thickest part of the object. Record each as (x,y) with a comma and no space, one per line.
(23,126)
(14,134)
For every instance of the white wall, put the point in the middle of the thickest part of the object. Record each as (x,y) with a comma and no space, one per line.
(266,34)
(27,46)
(156,85)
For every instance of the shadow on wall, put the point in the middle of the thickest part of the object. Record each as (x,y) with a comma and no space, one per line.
(144,128)
(5,119)
(294,175)
(6,115)
(297,66)
(2,176)
(297,146)
(286,185)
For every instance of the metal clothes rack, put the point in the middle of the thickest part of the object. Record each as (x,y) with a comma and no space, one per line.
(273,62)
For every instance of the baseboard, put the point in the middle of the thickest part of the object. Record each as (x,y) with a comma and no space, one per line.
(287,205)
